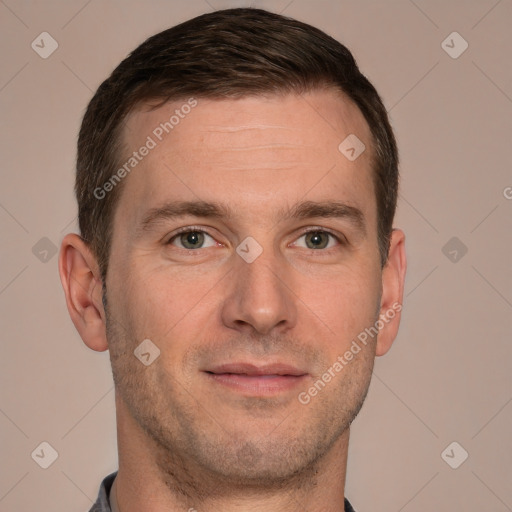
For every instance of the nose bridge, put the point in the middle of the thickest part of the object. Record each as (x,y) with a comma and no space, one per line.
(259,297)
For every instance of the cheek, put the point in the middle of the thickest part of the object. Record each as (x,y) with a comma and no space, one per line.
(161,301)
(342,305)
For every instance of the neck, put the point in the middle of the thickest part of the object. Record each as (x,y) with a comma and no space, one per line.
(151,479)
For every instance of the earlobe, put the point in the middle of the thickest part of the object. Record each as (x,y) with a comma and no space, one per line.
(80,277)
(393,279)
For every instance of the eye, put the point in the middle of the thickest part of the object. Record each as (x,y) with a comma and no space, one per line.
(318,239)
(192,239)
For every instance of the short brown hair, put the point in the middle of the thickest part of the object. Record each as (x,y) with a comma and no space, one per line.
(225,54)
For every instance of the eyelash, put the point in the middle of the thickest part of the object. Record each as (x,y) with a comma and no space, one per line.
(190,229)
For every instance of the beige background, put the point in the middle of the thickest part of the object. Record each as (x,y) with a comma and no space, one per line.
(448,377)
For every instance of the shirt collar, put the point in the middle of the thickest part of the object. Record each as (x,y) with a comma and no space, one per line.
(107,501)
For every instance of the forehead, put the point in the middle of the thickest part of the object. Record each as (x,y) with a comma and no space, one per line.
(246,151)
(305,119)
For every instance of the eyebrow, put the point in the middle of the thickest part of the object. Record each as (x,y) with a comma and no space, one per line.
(302,210)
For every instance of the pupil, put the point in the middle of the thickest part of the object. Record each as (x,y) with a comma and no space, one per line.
(192,239)
(316,239)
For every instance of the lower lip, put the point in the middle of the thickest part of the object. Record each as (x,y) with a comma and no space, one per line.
(261,385)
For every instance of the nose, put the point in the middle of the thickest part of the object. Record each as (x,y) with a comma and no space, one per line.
(260,297)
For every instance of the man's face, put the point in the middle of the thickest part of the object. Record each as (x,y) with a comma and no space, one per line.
(223,318)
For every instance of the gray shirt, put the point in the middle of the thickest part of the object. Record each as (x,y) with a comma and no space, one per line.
(105,503)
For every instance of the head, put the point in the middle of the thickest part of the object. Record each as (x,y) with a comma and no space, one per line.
(228,127)
(213,57)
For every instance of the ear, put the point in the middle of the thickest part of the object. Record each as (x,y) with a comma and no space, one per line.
(81,280)
(393,277)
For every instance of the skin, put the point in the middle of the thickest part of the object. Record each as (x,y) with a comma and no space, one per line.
(186,440)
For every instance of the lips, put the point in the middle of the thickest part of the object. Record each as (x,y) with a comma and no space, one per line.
(257,380)
(254,370)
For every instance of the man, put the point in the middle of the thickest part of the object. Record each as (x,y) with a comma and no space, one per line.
(236,182)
